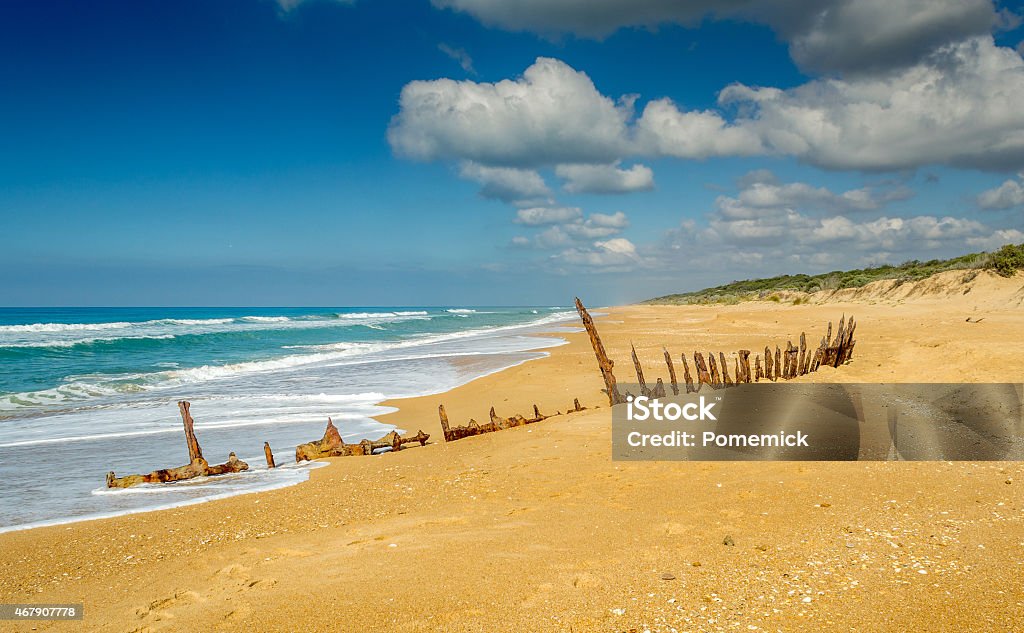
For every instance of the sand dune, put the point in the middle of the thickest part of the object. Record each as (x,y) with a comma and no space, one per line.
(986,290)
(536,529)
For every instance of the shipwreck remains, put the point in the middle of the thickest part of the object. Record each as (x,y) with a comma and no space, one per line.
(331,444)
(496,423)
(781,364)
(197,466)
(603,361)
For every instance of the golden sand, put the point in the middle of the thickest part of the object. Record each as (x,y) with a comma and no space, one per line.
(536,529)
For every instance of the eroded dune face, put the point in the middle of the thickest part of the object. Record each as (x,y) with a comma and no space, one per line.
(980,288)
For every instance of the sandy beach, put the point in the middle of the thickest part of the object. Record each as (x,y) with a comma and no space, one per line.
(537,529)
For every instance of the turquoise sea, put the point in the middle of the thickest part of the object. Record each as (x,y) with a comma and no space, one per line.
(87,390)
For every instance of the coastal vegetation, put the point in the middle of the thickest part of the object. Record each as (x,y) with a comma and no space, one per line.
(1006,262)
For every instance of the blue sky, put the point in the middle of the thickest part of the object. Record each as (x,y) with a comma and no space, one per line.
(312,153)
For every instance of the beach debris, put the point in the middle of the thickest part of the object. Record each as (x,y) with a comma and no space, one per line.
(793,362)
(496,423)
(672,373)
(603,361)
(269,454)
(728,540)
(331,444)
(644,391)
(667,576)
(576,408)
(197,466)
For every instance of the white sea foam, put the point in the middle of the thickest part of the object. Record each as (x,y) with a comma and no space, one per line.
(64,335)
(83,388)
(381,315)
(237,406)
(255,480)
(461,311)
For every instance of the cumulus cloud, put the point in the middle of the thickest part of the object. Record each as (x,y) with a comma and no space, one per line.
(605,178)
(540,216)
(823,35)
(459,55)
(568,227)
(614,254)
(960,108)
(799,226)
(1007,195)
(761,190)
(552,114)
(505,183)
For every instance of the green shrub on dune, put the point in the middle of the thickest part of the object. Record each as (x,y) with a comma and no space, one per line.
(1006,261)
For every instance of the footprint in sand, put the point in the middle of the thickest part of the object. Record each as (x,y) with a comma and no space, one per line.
(238,576)
(161,609)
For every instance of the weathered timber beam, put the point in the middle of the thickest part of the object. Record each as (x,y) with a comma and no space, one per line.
(603,361)
(672,373)
(197,466)
(639,373)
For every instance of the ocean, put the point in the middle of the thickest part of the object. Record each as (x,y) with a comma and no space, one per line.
(84,391)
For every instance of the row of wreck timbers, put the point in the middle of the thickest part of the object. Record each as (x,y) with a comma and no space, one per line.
(785,364)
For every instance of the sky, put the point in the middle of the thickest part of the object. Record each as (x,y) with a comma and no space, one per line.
(495,152)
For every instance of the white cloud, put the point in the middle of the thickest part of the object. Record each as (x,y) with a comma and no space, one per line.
(1007,195)
(757,195)
(666,131)
(961,107)
(567,226)
(540,216)
(459,55)
(617,253)
(800,227)
(552,114)
(823,35)
(605,178)
(505,183)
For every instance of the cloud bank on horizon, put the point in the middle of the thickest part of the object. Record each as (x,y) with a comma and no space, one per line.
(892,87)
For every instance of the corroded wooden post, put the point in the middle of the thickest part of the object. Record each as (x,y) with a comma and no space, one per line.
(801,367)
(194,452)
(639,373)
(703,377)
(725,370)
(744,358)
(269,455)
(687,377)
(757,368)
(778,363)
(445,430)
(659,389)
(716,379)
(671,373)
(768,372)
(603,361)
